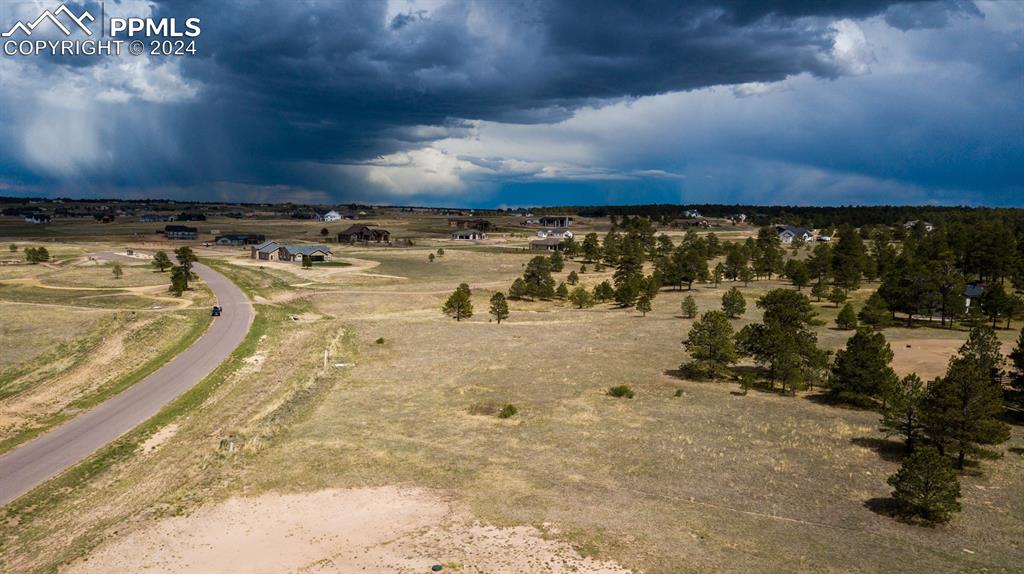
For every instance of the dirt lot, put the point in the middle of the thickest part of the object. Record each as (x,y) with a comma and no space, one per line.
(706,481)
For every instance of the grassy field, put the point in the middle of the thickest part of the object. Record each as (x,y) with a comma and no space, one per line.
(708,480)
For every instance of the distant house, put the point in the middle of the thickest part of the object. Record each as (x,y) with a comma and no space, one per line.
(299,252)
(240,239)
(556,221)
(266,251)
(692,214)
(547,244)
(37,218)
(274,251)
(328,216)
(552,232)
(823,238)
(971,294)
(181,232)
(469,235)
(186,216)
(787,233)
(155,217)
(914,223)
(470,223)
(360,233)
(737,217)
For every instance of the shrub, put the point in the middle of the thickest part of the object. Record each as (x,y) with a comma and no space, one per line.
(619,391)
(926,486)
(379,341)
(508,411)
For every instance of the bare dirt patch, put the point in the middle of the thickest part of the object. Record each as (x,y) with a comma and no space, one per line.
(387,529)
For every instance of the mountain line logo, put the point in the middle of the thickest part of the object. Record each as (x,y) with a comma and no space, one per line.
(53,17)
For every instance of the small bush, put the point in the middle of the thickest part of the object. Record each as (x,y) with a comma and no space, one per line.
(619,391)
(678,393)
(508,411)
(379,341)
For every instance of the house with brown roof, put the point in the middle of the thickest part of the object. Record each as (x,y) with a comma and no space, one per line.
(360,233)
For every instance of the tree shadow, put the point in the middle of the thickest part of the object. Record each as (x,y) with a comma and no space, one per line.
(888,450)
(829,399)
(890,508)
(1016,450)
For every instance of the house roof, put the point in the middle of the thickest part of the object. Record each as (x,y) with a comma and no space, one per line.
(306,249)
(974,291)
(180,229)
(268,246)
(360,227)
(793,229)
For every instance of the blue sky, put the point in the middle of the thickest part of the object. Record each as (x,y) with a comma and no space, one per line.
(535,103)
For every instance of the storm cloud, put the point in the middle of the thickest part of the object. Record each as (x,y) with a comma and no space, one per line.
(470,101)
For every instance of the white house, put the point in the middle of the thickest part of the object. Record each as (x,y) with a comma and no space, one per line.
(468,235)
(554,232)
(329,216)
(37,218)
(787,233)
(914,223)
(692,213)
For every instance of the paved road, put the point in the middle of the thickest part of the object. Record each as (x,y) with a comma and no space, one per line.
(32,463)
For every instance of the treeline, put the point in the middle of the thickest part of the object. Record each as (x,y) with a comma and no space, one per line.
(807,216)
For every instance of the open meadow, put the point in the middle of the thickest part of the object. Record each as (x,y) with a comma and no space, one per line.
(400,414)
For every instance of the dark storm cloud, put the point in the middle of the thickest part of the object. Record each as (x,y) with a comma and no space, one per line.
(284,84)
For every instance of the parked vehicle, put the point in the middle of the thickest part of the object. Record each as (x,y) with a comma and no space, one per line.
(215,312)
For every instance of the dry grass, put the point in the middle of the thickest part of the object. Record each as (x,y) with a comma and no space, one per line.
(708,481)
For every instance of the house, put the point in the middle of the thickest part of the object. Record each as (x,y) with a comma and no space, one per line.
(551,232)
(737,217)
(37,218)
(547,244)
(823,238)
(240,239)
(181,232)
(299,252)
(787,233)
(556,221)
(692,214)
(274,251)
(360,233)
(914,223)
(186,216)
(266,251)
(469,235)
(971,294)
(470,223)
(328,216)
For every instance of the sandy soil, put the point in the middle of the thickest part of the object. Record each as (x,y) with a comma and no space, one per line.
(387,529)
(928,357)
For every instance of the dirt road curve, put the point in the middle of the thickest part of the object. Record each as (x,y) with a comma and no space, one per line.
(31,464)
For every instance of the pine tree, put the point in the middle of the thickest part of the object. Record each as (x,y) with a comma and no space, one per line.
(430,258)
(458,306)
(861,371)
(179,280)
(784,341)
(518,289)
(836,296)
(819,291)
(603,291)
(746,275)
(733,303)
(926,486)
(562,292)
(557,262)
(499,307)
(710,345)
(186,258)
(643,304)
(1017,360)
(689,307)
(573,278)
(161,261)
(875,312)
(847,319)
(902,414)
(962,410)
(580,297)
(117,271)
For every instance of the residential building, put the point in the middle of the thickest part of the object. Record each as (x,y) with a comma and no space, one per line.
(914,223)
(556,221)
(181,232)
(240,239)
(546,244)
(787,233)
(328,216)
(37,218)
(470,223)
(360,233)
(468,235)
(552,232)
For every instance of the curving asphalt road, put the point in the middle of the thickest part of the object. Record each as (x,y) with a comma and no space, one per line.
(46,456)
